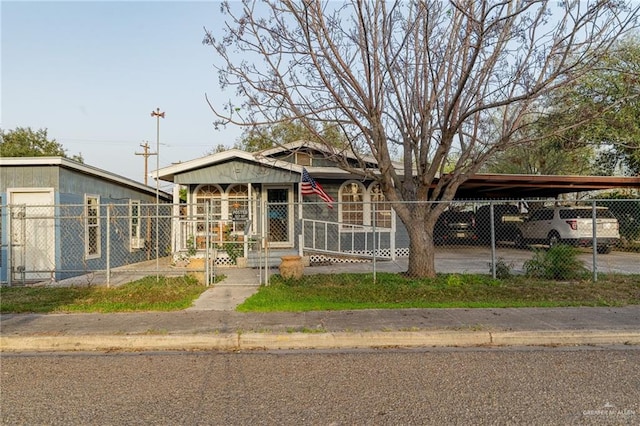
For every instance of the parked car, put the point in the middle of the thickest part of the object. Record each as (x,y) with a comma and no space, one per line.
(569,225)
(505,222)
(455,226)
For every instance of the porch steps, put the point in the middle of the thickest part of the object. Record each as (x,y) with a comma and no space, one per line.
(257,259)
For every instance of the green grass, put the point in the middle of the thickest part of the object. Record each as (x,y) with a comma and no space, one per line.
(394,291)
(334,292)
(146,294)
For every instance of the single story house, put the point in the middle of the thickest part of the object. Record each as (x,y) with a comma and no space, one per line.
(235,198)
(61,218)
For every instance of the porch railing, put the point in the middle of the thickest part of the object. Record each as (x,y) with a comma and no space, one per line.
(347,239)
(193,233)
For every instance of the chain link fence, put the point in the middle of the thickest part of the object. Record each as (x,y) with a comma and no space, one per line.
(116,243)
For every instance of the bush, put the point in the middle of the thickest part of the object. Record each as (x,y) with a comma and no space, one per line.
(560,262)
(503,269)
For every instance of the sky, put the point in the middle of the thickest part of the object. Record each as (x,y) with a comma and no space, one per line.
(92,72)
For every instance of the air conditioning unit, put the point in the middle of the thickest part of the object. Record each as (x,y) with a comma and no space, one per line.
(137,243)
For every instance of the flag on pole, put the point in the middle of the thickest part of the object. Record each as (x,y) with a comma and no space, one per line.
(308,186)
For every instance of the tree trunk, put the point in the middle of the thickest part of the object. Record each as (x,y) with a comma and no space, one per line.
(421,250)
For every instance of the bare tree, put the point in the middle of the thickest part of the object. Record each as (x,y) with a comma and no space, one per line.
(433,80)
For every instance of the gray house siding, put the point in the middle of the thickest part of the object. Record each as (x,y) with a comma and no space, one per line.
(70,188)
(236,171)
(28,177)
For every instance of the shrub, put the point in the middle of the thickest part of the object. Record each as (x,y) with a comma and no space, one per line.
(560,262)
(503,269)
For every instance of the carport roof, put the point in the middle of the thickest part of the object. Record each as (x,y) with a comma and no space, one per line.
(532,186)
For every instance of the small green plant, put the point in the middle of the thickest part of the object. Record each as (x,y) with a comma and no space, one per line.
(503,269)
(191,246)
(232,246)
(560,262)
(454,280)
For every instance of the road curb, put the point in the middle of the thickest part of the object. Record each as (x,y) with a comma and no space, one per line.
(565,338)
(319,340)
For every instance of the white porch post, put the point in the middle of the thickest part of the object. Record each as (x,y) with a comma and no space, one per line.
(300,220)
(249,223)
(175,220)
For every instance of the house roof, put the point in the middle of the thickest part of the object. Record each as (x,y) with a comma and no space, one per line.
(491,186)
(266,158)
(169,173)
(81,168)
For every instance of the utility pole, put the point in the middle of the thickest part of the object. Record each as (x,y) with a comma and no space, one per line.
(146,155)
(157,114)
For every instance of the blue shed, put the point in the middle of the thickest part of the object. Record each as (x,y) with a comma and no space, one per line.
(53,221)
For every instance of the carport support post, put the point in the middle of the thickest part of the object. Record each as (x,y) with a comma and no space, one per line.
(493,240)
(594,241)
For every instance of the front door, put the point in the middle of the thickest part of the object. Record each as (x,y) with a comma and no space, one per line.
(32,242)
(279,225)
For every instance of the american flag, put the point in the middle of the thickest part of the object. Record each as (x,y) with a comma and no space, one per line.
(308,186)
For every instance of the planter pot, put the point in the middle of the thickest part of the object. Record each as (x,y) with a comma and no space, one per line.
(291,267)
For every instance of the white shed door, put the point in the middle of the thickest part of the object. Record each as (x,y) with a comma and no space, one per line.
(32,235)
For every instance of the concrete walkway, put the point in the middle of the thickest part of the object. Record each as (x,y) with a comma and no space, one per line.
(239,284)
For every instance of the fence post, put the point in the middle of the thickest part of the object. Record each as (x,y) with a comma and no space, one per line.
(266,231)
(108,257)
(594,241)
(207,227)
(373,222)
(9,231)
(157,237)
(492,228)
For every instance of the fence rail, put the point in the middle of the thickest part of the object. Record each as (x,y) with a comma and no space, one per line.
(80,244)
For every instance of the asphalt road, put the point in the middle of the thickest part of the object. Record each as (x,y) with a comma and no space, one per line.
(452,386)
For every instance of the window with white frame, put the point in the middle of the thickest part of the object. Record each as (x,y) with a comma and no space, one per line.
(360,207)
(134,225)
(209,195)
(92,226)
(352,203)
(380,211)
(238,205)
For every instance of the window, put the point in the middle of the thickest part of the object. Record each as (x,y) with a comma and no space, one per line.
(360,207)
(238,206)
(211,195)
(381,211)
(543,214)
(134,225)
(92,227)
(352,203)
(208,197)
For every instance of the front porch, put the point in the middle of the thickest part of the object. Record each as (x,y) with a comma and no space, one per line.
(262,242)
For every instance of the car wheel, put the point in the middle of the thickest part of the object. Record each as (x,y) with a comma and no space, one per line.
(604,249)
(553,239)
